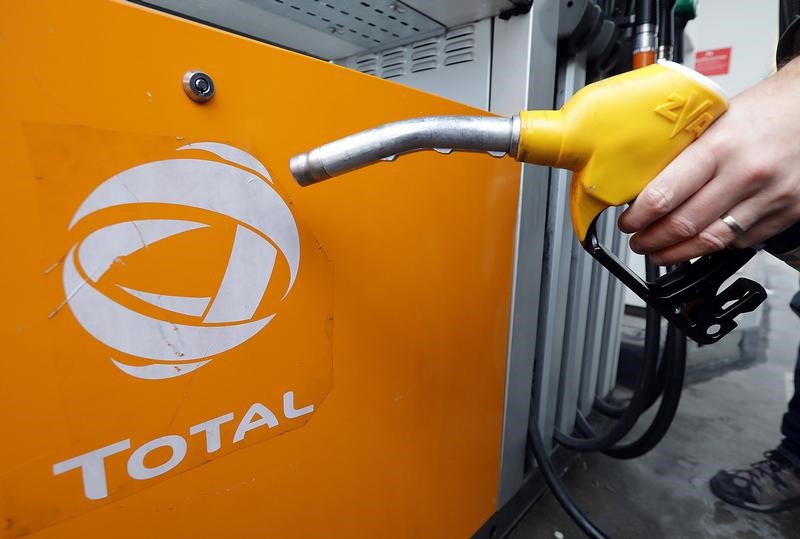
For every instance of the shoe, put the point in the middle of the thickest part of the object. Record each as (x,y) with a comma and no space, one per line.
(770,485)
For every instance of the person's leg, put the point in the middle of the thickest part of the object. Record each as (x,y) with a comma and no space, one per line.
(790,427)
(772,484)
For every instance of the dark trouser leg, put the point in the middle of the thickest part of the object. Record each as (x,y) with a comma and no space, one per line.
(790,446)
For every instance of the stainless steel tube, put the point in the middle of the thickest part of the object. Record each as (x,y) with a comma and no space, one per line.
(444,134)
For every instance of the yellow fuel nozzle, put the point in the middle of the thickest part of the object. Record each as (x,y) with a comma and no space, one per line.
(616,135)
(619,133)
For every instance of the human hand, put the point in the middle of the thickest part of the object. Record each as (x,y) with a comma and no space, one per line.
(747,165)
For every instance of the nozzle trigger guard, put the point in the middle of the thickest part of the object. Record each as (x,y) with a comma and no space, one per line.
(689,296)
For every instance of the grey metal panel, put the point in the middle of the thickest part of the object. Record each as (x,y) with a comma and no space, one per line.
(610,313)
(575,338)
(612,351)
(622,252)
(553,306)
(455,12)
(455,65)
(577,296)
(252,19)
(595,336)
(366,24)
(556,277)
(523,77)
(604,313)
(336,28)
(327,29)
(609,353)
(576,333)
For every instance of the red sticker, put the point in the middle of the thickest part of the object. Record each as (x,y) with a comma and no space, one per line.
(713,62)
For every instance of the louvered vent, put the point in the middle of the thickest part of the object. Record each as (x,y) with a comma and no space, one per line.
(455,47)
(459,46)
(368,24)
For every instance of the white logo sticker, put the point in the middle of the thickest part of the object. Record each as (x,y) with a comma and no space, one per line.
(265,229)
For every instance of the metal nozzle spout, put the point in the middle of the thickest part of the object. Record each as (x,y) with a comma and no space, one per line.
(498,136)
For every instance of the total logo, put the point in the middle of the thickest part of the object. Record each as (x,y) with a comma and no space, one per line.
(160,334)
(92,465)
(175,263)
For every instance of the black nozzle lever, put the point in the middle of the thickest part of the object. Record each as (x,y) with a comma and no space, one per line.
(689,296)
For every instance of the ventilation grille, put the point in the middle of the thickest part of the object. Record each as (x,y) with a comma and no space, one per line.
(455,47)
(367,24)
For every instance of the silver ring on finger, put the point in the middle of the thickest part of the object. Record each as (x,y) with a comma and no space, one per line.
(732,224)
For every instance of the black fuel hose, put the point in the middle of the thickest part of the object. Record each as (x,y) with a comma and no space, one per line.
(608,409)
(652,273)
(673,390)
(676,348)
(672,358)
(675,366)
(616,411)
(668,384)
(557,487)
(666,29)
(641,397)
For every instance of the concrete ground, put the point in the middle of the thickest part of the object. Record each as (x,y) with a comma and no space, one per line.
(726,421)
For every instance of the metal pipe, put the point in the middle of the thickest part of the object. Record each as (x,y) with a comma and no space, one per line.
(497,136)
(644,45)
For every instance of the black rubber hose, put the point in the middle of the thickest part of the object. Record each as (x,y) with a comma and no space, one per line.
(616,411)
(666,27)
(641,396)
(584,427)
(666,356)
(608,409)
(680,27)
(676,348)
(661,378)
(653,391)
(669,402)
(557,487)
(670,380)
(646,12)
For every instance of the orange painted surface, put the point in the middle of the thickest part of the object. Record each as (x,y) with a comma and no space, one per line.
(394,331)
